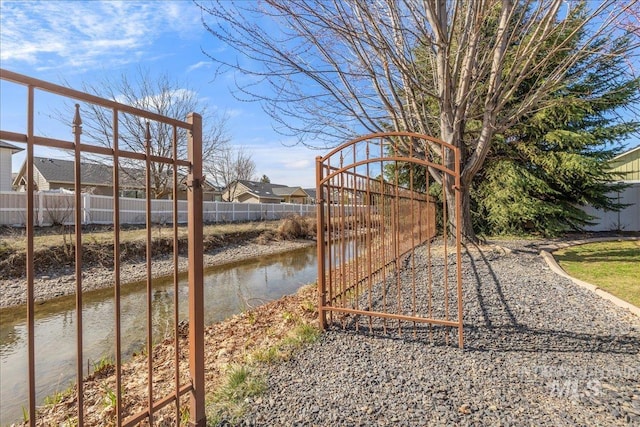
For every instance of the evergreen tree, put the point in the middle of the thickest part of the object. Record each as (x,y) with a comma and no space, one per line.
(542,170)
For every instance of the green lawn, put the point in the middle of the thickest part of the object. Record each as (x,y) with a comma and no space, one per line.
(612,266)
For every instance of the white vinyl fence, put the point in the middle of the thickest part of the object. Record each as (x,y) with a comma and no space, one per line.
(628,219)
(58,208)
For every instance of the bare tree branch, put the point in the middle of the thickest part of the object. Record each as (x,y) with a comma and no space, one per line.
(326,71)
(230,165)
(161,95)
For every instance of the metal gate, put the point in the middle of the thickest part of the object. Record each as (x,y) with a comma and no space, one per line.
(184,166)
(388,241)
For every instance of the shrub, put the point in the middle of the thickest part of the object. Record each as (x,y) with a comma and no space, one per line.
(297,227)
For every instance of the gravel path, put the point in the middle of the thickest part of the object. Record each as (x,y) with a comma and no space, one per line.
(539,350)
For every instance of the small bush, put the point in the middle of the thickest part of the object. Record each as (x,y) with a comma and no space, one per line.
(5,249)
(297,227)
(266,237)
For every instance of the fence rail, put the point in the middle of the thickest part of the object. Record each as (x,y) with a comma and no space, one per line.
(157,394)
(58,209)
(379,268)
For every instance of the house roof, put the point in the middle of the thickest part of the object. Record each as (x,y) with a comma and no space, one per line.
(285,191)
(55,170)
(626,153)
(95,174)
(13,148)
(267,190)
(311,192)
(262,190)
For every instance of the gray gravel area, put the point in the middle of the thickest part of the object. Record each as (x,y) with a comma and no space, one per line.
(539,351)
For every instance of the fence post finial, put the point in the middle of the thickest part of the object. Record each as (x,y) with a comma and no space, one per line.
(77,121)
(147,135)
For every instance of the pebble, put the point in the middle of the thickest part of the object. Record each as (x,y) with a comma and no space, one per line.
(538,351)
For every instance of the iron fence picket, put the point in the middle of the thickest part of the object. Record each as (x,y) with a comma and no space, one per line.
(76,209)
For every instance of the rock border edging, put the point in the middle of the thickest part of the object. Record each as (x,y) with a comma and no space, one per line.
(553,265)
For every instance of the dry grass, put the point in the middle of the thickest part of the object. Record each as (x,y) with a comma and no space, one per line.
(14,240)
(284,325)
(297,227)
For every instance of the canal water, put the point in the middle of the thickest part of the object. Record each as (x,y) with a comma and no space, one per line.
(229,289)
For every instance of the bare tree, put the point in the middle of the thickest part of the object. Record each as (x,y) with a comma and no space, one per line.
(630,21)
(454,69)
(161,95)
(230,165)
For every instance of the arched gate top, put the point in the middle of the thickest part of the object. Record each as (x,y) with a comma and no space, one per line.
(387,135)
(383,261)
(409,147)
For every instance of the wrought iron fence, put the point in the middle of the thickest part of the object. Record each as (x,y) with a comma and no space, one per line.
(163,395)
(388,245)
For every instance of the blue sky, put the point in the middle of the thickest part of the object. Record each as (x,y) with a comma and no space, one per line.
(81,42)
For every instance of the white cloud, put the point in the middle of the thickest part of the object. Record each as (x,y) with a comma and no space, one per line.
(293,166)
(297,164)
(233,112)
(200,64)
(90,34)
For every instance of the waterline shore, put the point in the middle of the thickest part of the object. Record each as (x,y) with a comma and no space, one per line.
(61,281)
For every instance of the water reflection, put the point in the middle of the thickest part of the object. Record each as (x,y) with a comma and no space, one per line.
(228,290)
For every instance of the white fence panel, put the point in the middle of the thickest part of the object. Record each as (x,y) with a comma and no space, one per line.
(98,209)
(132,211)
(12,208)
(58,208)
(628,219)
(210,211)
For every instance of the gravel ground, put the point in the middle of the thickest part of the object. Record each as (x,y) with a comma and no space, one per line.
(539,350)
(62,281)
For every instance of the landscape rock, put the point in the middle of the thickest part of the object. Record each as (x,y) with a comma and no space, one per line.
(539,350)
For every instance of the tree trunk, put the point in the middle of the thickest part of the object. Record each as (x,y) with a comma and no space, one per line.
(466,226)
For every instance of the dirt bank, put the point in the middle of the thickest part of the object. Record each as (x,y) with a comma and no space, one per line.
(230,342)
(54,266)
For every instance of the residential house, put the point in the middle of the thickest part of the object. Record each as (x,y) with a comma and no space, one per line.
(312,195)
(6,152)
(244,191)
(55,174)
(96,178)
(627,165)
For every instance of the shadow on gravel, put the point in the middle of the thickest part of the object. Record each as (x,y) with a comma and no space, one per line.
(508,339)
(496,283)
(525,339)
(501,315)
(512,335)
